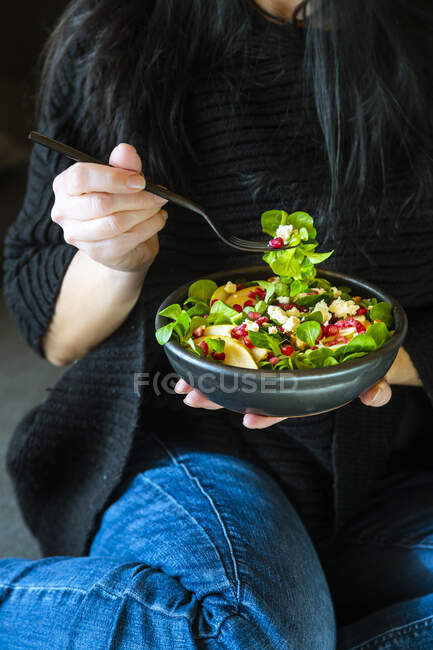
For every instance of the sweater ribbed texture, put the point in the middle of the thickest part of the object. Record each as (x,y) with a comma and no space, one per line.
(72,455)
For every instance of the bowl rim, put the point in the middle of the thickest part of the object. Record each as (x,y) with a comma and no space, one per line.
(339,370)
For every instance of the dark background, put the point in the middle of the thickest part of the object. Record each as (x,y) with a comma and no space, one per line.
(24,378)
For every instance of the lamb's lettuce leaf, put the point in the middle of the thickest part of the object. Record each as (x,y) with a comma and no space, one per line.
(382,311)
(269,287)
(202,289)
(265,340)
(221,313)
(215,345)
(163,334)
(308,331)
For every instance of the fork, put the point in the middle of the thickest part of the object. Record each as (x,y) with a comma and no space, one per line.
(225,236)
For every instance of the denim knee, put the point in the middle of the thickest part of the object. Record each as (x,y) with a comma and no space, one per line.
(157,611)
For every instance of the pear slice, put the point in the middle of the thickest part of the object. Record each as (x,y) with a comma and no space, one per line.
(218,330)
(220,294)
(236,352)
(240,297)
(224,330)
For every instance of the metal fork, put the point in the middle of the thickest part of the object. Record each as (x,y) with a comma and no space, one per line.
(227,237)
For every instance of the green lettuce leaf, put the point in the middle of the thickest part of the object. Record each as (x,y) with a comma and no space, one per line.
(265,340)
(382,311)
(216,345)
(163,334)
(308,331)
(221,313)
(202,289)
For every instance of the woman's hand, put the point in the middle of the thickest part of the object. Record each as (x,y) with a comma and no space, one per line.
(402,372)
(104,212)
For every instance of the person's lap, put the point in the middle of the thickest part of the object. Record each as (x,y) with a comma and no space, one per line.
(203,550)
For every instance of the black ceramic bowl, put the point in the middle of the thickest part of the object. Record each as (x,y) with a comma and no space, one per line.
(297,393)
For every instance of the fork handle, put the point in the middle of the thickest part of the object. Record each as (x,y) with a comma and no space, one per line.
(79,156)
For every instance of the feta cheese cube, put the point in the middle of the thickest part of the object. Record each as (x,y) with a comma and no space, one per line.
(323,308)
(251,326)
(284,232)
(272,329)
(230,287)
(342,308)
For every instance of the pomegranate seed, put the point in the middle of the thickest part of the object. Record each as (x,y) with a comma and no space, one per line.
(316,291)
(247,341)
(288,305)
(218,356)
(198,331)
(287,350)
(205,316)
(239,287)
(303,309)
(280,328)
(262,320)
(330,330)
(249,303)
(315,348)
(274,360)
(254,315)
(361,311)
(237,307)
(360,327)
(276,242)
(204,346)
(235,333)
(243,329)
(251,294)
(340,323)
(212,302)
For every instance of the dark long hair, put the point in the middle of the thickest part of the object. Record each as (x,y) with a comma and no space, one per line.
(130,66)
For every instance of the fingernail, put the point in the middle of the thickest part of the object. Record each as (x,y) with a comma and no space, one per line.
(136,182)
(247,422)
(188,399)
(159,199)
(181,387)
(379,390)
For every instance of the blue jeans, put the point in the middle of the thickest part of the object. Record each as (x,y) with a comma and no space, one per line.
(204,550)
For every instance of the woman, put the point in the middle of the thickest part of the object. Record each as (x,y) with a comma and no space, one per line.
(168,527)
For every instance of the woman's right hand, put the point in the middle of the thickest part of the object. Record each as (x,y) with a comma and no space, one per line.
(105,213)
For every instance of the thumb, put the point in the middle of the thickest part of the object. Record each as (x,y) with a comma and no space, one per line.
(377,395)
(126,157)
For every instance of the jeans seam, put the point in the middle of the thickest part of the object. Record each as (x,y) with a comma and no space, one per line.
(396,631)
(200,487)
(12,587)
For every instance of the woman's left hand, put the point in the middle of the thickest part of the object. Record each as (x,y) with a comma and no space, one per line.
(402,372)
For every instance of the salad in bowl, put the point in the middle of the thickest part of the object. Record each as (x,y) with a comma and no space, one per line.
(292,320)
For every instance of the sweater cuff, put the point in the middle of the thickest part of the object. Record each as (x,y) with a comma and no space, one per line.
(32,288)
(419,345)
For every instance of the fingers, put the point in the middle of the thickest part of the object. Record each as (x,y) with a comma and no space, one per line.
(252,421)
(106,250)
(194,398)
(377,395)
(111,226)
(83,178)
(126,156)
(102,204)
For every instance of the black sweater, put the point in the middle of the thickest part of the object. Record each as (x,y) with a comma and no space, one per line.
(71,456)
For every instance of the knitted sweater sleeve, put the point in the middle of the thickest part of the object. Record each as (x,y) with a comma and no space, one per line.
(35,254)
